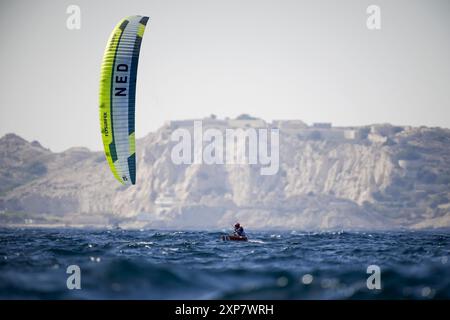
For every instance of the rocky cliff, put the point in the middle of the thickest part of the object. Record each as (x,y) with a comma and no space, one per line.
(383,177)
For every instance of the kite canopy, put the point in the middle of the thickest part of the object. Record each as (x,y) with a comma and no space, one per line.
(117,96)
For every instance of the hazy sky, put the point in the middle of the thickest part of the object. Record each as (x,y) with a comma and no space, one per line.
(310,60)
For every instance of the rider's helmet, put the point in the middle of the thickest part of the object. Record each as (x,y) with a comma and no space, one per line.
(237,225)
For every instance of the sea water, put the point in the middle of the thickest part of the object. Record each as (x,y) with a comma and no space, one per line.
(151,264)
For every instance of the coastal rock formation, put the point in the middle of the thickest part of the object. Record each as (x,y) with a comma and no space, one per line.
(372,177)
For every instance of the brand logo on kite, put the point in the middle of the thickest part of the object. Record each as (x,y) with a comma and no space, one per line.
(105,124)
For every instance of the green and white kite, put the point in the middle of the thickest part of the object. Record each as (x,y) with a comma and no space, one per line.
(117,97)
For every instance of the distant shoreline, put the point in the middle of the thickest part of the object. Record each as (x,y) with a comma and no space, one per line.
(130,228)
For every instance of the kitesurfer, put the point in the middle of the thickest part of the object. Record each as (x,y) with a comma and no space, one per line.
(239,230)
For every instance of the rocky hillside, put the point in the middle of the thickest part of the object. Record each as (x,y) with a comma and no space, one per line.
(389,177)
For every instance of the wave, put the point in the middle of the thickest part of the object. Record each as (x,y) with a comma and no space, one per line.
(152,264)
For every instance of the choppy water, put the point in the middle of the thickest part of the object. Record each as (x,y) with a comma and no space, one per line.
(148,264)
